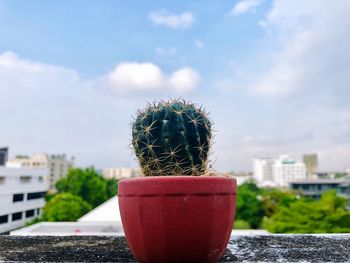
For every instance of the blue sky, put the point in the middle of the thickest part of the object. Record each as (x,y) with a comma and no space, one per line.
(274,74)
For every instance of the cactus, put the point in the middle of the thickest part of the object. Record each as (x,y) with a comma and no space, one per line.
(172,138)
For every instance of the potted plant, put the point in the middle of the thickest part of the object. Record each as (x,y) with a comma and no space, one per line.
(177,211)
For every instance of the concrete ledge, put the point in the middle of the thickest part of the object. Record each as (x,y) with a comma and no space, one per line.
(262,248)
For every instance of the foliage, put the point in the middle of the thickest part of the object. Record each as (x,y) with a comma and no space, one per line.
(340,175)
(241,224)
(111,187)
(328,215)
(274,198)
(85,183)
(172,138)
(249,206)
(65,207)
(49,195)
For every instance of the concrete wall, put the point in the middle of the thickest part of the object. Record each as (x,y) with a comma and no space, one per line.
(263,248)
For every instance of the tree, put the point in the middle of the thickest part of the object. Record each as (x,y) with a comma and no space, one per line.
(328,215)
(241,224)
(65,207)
(340,175)
(274,198)
(112,187)
(249,206)
(86,183)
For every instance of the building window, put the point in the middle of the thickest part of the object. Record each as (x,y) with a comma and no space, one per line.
(17,216)
(29,213)
(35,195)
(4,219)
(38,211)
(25,179)
(18,197)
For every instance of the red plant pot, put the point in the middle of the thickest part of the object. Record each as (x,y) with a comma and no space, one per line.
(177,218)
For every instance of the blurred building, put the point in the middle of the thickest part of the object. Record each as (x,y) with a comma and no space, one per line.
(120,173)
(278,172)
(311,162)
(287,170)
(57,164)
(315,188)
(3,155)
(263,171)
(22,192)
(241,177)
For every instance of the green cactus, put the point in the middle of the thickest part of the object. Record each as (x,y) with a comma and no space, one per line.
(172,138)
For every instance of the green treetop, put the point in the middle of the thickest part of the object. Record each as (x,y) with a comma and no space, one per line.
(328,215)
(86,183)
(65,207)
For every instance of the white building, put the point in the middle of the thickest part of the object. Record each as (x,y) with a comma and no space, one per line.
(263,171)
(58,165)
(120,173)
(22,192)
(278,172)
(287,170)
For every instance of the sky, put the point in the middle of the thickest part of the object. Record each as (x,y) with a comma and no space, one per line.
(274,75)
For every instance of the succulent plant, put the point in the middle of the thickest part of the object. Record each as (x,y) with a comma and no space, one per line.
(172,138)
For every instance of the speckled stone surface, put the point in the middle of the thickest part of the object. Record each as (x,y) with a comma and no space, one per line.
(252,248)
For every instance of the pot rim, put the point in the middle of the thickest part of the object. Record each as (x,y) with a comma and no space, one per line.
(177,185)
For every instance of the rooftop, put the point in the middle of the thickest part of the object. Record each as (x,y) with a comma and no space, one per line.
(253,248)
(322,181)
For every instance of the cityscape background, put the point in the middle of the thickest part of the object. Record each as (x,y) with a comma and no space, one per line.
(48,188)
(274,75)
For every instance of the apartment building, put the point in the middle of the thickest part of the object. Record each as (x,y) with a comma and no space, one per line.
(120,173)
(287,170)
(311,163)
(315,188)
(279,171)
(57,164)
(3,155)
(263,171)
(22,192)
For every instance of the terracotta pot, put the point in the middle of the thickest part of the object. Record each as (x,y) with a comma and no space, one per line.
(177,218)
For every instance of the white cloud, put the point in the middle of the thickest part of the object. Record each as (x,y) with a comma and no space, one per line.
(184,20)
(314,49)
(45,107)
(245,6)
(133,77)
(49,108)
(184,80)
(20,76)
(199,44)
(136,77)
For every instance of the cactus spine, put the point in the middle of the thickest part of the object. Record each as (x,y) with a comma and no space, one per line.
(172,138)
